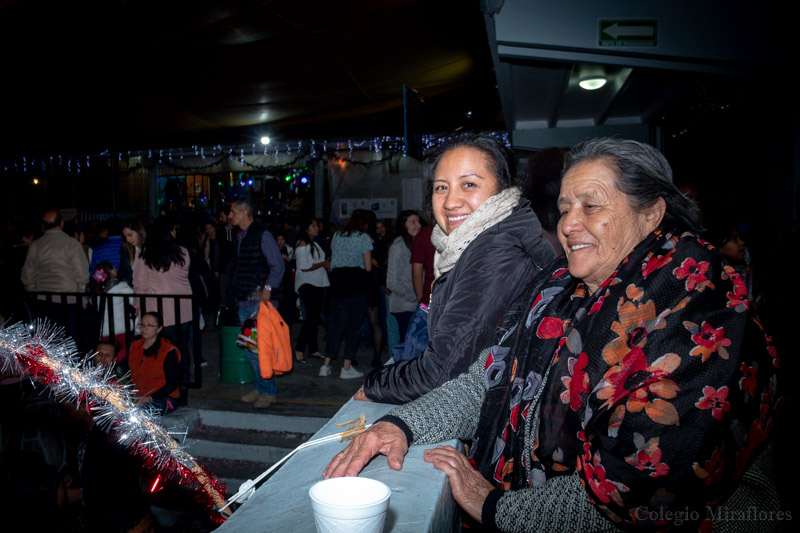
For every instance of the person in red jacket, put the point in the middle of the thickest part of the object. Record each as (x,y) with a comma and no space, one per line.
(155,365)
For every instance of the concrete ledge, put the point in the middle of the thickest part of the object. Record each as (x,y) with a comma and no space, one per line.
(241,452)
(229,419)
(183,419)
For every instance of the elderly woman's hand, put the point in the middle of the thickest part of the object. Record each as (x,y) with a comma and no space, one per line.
(469,487)
(383,437)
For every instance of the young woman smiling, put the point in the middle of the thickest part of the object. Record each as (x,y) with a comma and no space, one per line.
(489,246)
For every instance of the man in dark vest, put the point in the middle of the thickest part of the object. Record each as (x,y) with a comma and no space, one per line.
(255,274)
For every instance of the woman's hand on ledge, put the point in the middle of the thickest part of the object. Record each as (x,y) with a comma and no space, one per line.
(469,487)
(382,438)
(361,396)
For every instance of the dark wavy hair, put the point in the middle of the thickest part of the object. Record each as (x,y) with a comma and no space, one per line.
(644,175)
(138,227)
(499,159)
(161,250)
(304,236)
(359,221)
(400,227)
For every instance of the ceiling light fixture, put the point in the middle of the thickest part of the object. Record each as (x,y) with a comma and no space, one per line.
(592,83)
(265,140)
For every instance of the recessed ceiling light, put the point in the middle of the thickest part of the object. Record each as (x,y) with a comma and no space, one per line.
(592,83)
(265,140)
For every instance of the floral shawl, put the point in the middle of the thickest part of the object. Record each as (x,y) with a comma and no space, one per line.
(658,389)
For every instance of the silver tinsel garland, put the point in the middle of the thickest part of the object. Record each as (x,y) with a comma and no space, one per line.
(42,352)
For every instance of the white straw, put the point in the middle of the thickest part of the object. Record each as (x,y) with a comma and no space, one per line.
(249,485)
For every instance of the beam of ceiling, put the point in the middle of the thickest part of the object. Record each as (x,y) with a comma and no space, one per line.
(135,73)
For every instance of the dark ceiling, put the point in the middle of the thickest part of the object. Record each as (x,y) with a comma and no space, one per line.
(133,74)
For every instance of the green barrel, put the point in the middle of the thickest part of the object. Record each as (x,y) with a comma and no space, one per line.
(233,364)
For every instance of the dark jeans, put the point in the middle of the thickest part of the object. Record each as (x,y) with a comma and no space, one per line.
(313,298)
(181,337)
(347,313)
(403,318)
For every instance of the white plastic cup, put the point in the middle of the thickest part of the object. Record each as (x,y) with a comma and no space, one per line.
(346,504)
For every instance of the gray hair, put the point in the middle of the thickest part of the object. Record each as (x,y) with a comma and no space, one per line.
(245,205)
(644,175)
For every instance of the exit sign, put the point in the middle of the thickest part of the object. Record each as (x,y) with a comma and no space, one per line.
(628,33)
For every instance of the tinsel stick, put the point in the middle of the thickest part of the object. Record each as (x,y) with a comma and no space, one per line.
(43,353)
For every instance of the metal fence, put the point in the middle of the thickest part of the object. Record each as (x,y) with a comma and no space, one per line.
(90,319)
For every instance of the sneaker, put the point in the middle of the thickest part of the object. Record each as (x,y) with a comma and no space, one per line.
(251,396)
(324,371)
(264,401)
(350,373)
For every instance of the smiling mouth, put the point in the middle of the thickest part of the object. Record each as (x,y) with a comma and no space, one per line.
(458,218)
(576,247)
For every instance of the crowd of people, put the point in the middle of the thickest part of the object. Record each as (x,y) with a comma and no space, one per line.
(578,322)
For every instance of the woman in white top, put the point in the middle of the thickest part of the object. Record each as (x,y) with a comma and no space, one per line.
(311,278)
(402,297)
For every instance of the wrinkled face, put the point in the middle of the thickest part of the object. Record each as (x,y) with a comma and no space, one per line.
(734,249)
(313,229)
(150,327)
(413,225)
(598,226)
(131,237)
(462,181)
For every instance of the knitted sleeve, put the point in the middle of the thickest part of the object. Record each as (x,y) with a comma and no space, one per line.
(558,505)
(449,411)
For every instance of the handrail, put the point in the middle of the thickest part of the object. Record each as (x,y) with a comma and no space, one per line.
(97,310)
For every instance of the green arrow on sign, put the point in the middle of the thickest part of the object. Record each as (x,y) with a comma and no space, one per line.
(628,33)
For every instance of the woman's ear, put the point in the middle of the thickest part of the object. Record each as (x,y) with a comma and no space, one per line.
(655,214)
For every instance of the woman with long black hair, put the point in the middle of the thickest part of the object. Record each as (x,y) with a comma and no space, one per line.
(164,269)
(311,278)
(134,234)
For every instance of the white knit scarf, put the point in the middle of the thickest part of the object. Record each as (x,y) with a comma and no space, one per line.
(450,247)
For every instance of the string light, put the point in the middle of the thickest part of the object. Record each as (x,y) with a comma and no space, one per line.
(309,149)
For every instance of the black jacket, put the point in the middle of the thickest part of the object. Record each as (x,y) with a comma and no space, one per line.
(467,304)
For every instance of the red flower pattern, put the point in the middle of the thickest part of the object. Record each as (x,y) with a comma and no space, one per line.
(738,297)
(654,262)
(550,328)
(708,340)
(577,382)
(748,382)
(711,471)
(645,386)
(648,458)
(605,489)
(716,400)
(694,273)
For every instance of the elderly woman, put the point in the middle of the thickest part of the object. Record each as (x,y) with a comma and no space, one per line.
(485,236)
(633,389)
